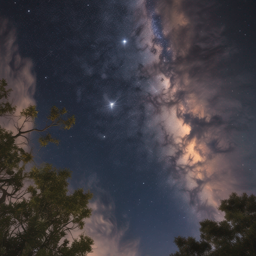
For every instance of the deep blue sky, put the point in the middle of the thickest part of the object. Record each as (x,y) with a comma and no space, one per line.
(81,62)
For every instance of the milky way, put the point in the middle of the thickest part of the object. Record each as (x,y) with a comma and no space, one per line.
(200,123)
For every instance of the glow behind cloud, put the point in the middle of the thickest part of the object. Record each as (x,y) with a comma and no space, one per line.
(17,71)
(197,124)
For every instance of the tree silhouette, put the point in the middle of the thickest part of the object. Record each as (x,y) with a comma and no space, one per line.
(36,220)
(235,235)
(13,157)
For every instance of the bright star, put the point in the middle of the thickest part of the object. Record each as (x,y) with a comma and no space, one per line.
(111,104)
(124,41)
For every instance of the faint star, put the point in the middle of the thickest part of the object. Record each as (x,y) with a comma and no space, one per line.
(28,10)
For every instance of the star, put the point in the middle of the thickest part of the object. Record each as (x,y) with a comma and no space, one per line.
(111,104)
(124,41)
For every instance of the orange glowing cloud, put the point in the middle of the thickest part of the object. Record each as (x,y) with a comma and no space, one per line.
(195,122)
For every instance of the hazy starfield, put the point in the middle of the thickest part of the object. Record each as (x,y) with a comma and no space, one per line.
(164,95)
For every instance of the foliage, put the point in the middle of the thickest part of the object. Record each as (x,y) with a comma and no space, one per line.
(13,160)
(35,221)
(235,235)
(55,117)
(44,140)
(39,222)
(5,107)
(13,157)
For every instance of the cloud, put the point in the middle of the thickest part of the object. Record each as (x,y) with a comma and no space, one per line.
(198,122)
(17,70)
(110,237)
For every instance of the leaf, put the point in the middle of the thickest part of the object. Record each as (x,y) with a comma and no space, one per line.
(45,140)
(30,111)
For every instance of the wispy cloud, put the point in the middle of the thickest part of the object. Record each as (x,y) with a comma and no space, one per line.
(110,237)
(17,70)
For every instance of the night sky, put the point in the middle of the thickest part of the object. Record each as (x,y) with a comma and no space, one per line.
(164,95)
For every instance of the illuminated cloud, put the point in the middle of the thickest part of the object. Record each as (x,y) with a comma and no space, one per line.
(110,238)
(198,122)
(17,71)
